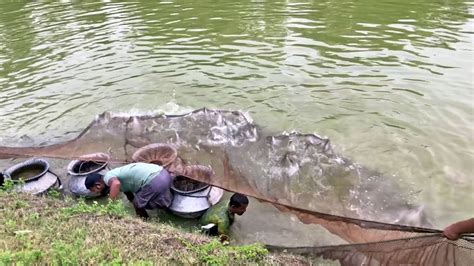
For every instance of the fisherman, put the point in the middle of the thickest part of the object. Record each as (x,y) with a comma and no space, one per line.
(146,185)
(218,219)
(455,230)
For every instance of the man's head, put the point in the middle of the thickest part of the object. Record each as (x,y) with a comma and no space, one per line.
(95,182)
(238,204)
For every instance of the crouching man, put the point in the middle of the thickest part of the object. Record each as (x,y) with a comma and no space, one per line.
(146,185)
(218,219)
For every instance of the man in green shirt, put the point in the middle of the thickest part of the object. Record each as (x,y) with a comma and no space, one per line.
(146,185)
(218,219)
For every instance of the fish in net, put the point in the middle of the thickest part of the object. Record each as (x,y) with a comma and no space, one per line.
(297,173)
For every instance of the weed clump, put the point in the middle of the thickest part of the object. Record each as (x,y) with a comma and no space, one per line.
(7,185)
(216,253)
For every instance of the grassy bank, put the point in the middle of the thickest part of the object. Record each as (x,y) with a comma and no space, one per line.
(46,230)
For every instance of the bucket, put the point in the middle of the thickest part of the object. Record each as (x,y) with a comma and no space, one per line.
(35,174)
(191,198)
(77,172)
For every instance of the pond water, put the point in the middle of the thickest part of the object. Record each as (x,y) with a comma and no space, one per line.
(390,83)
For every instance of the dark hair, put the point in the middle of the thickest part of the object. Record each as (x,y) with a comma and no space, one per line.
(91,179)
(238,200)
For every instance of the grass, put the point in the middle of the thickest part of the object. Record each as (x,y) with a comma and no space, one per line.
(45,230)
(215,253)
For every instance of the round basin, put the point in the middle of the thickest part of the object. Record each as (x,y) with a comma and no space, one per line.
(191,198)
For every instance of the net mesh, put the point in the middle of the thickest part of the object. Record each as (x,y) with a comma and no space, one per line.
(297,173)
(430,249)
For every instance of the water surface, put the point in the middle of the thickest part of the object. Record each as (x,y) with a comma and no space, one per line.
(390,82)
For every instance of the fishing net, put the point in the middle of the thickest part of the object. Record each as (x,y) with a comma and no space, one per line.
(297,173)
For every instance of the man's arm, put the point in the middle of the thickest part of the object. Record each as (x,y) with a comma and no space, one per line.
(455,230)
(114,185)
(223,230)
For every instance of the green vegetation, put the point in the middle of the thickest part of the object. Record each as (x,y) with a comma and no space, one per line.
(114,209)
(54,193)
(45,230)
(8,185)
(215,253)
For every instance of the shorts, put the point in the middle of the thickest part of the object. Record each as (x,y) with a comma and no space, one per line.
(156,194)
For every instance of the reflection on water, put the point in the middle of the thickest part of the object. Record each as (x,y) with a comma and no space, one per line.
(389,82)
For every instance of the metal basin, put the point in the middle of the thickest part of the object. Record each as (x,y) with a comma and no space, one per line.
(36,176)
(28,170)
(194,201)
(77,172)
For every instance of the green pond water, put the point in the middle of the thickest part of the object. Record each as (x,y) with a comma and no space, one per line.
(389,82)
